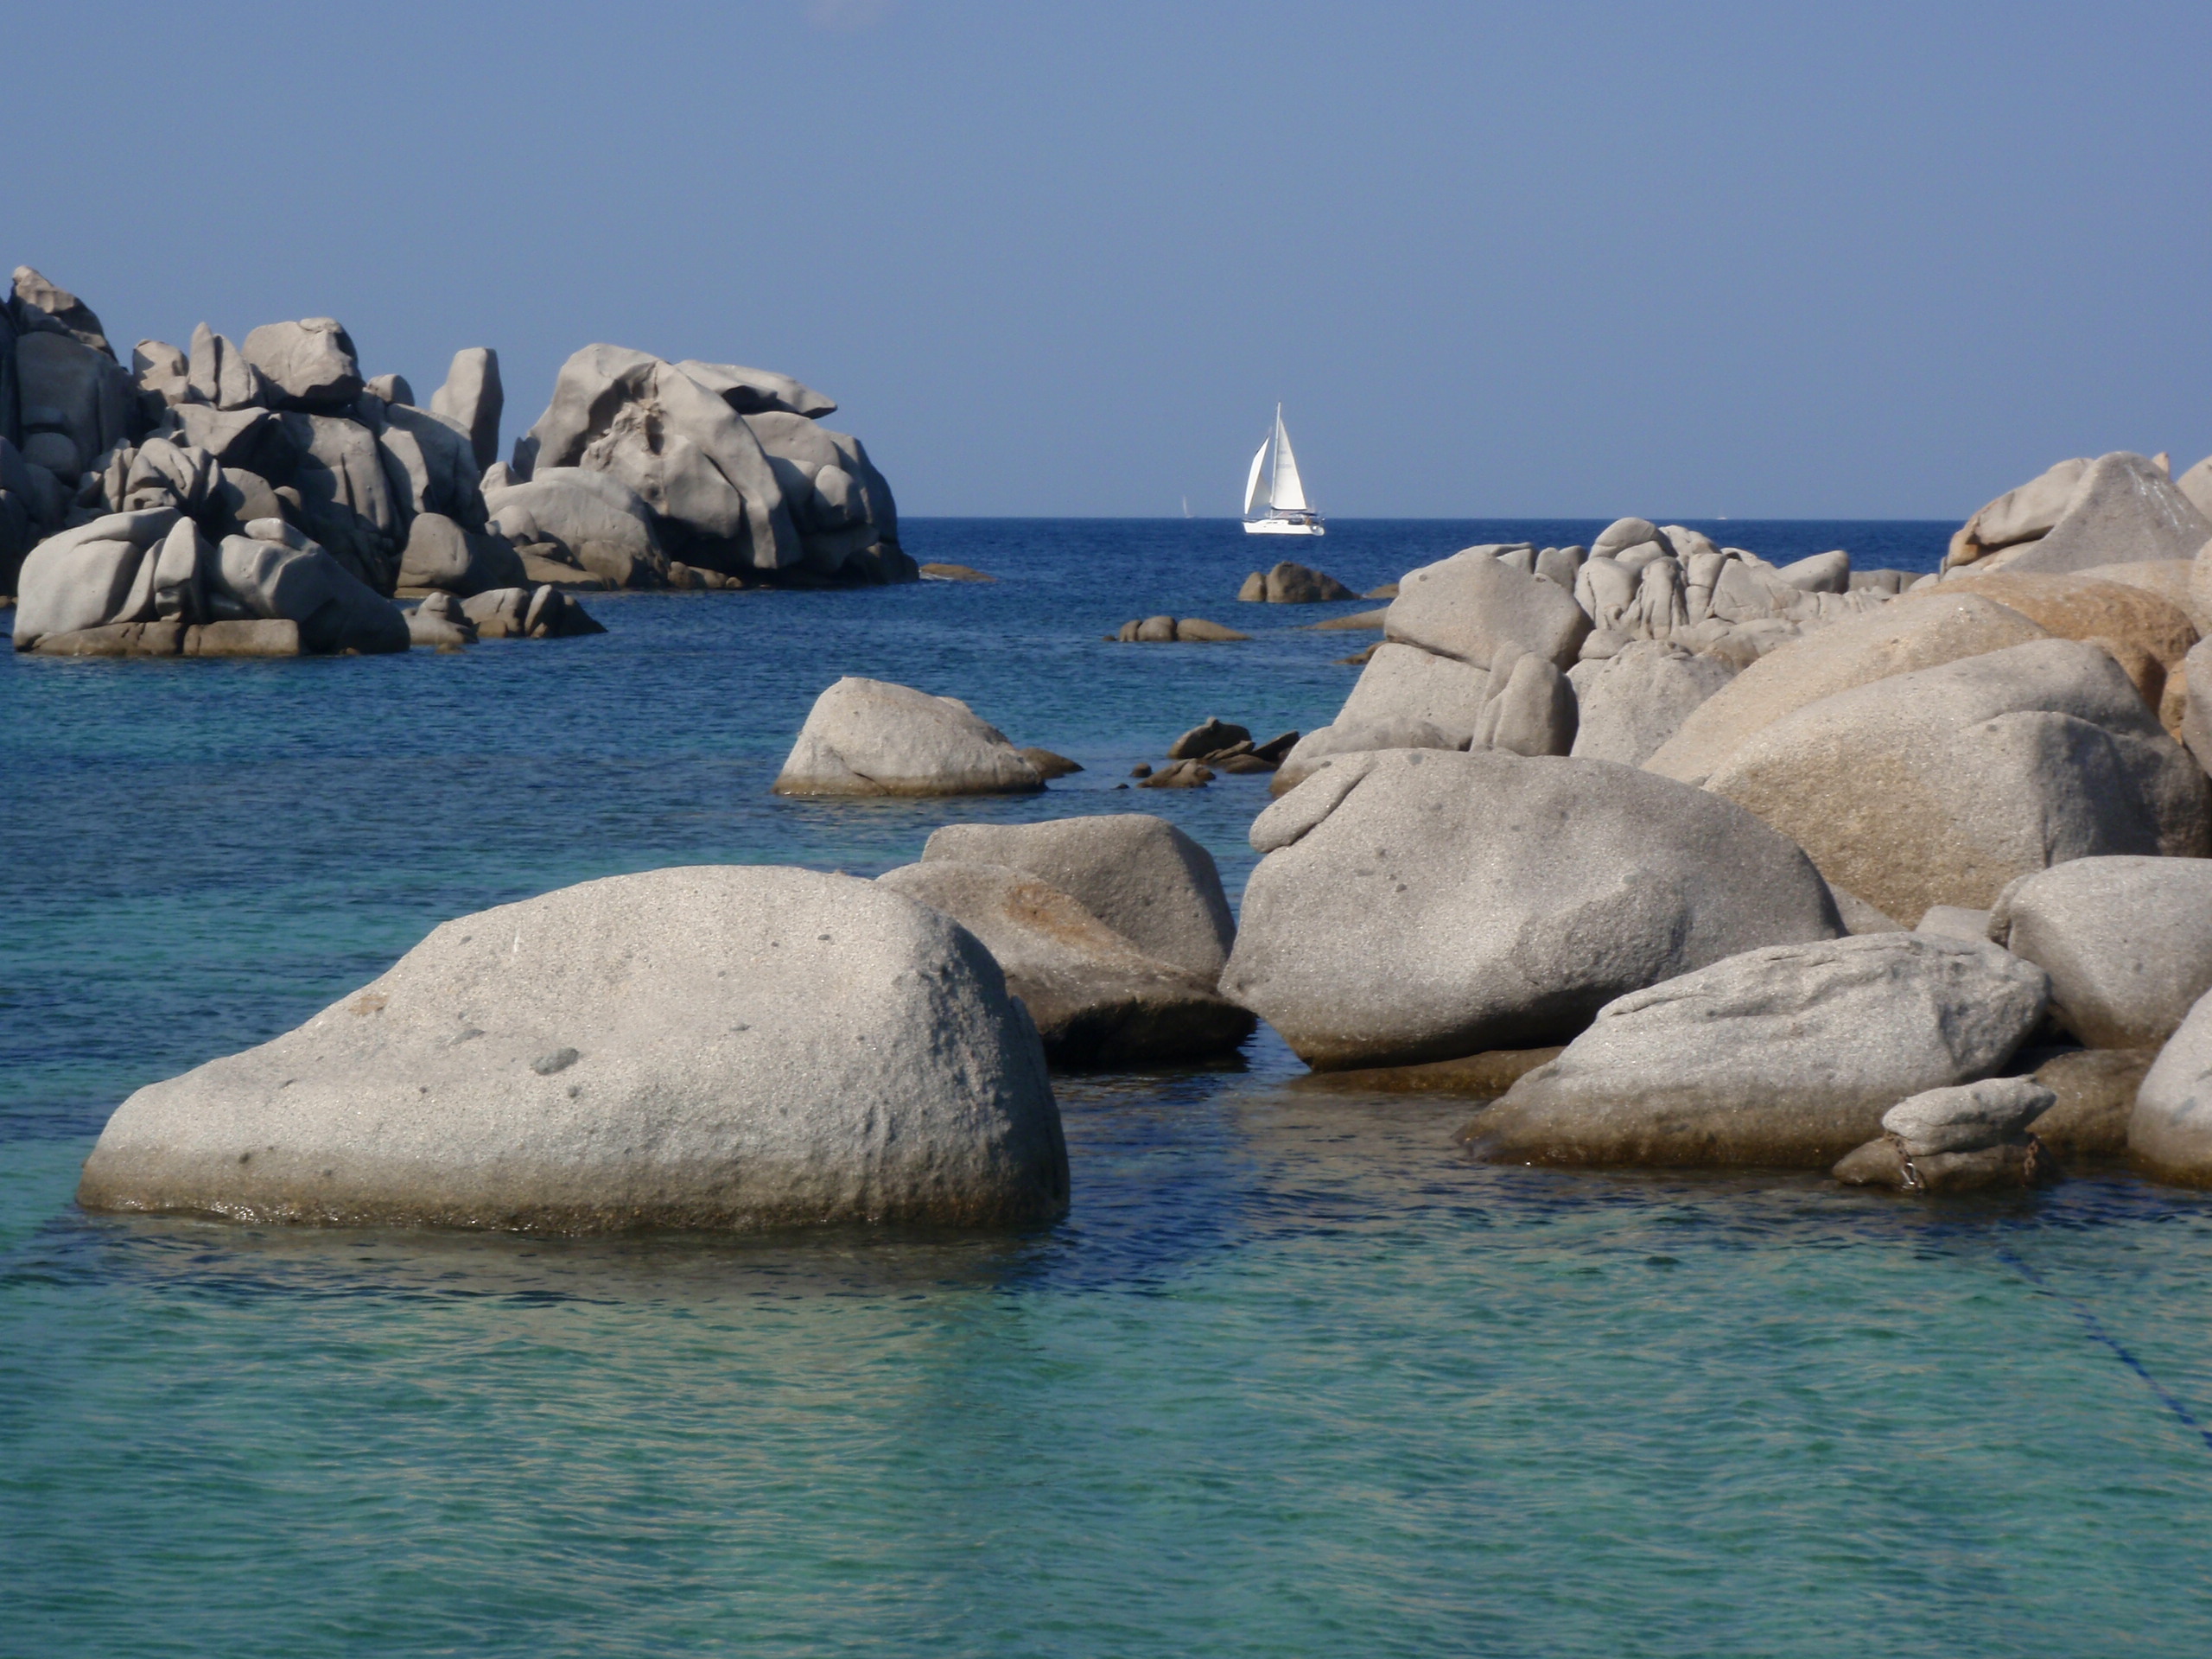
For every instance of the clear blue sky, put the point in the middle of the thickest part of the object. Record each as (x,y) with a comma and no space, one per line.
(1574,259)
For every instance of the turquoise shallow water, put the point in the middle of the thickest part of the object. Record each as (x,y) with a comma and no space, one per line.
(1293,1378)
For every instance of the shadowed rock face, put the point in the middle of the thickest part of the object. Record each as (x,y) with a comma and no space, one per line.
(1138,874)
(1421,905)
(1096,999)
(721,1047)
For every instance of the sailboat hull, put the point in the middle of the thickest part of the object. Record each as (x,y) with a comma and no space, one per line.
(1284,527)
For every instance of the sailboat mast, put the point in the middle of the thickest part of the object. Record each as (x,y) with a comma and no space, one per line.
(1274,458)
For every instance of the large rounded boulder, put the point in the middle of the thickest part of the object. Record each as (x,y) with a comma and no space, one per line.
(870,737)
(720,1047)
(1938,787)
(1424,904)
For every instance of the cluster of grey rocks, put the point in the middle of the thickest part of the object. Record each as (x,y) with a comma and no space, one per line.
(1728,864)
(266,497)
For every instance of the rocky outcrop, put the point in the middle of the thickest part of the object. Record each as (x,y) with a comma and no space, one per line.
(1422,905)
(869,737)
(1138,875)
(735,483)
(1787,1055)
(1292,584)
(155,566)
(1096,999)
(1939,786)
(2127,942)
(2118,509)
(709,461)
(717,1048)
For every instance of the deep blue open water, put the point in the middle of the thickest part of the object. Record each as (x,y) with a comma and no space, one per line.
(1293,1378)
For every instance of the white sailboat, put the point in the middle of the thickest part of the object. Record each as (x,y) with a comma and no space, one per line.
(1274,495)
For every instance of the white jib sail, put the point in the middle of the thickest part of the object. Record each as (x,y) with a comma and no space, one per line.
(1289,491)
(1255,498)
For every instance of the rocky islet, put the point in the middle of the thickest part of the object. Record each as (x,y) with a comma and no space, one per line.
(1770,863)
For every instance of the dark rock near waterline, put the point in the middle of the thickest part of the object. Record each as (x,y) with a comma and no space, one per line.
(1096,999)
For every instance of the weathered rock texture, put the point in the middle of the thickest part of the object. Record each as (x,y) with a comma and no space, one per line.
(869,737)
(2121,508)
(2127,942)
(719,1048)
(1423,904)
(1939,786)
(1786,1055)
(1096,999)
(2170,1132)
(1138,874)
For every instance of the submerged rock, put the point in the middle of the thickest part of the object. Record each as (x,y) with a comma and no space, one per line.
(1965,1138)
(722,1048)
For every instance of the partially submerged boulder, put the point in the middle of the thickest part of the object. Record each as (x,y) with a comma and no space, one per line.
(1421,905)
(716,1048)
(869,737)
(1939,786)
(1288,584)
(1140,874)
(602,523)
(1964,1138)
(1096,999)
(2127,942)
(1785,1055)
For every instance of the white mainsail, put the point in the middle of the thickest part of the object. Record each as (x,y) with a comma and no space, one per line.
(1289,491)
(1275,493)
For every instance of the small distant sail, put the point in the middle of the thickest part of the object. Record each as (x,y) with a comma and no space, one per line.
(1255,494)
(1288,493)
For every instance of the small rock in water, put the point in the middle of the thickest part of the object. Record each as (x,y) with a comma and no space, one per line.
(1959,1139)
(1210,737)
(1140,770)
(940,572)
(1048,764)
(1180,774)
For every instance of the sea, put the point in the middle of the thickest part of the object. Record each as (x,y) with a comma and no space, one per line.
(1294,1377)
